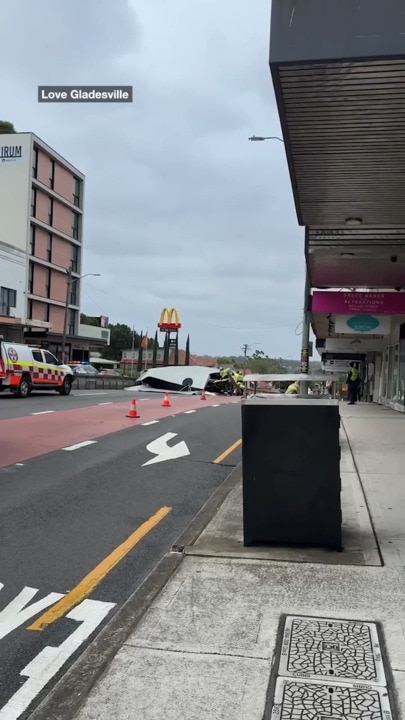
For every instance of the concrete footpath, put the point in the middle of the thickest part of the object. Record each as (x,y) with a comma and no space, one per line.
(312,634)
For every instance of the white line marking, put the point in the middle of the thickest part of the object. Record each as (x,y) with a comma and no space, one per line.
(151,422)
(43,412)
(80,445)
(18,610)
(163,451)
(214,405)
(93,394)
(107,403)
(39,671)
(19,465)
(188,412)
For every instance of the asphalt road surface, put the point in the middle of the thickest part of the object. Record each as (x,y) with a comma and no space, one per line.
(13,407)
(83,525)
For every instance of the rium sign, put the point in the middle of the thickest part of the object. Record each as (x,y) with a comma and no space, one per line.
(10,153)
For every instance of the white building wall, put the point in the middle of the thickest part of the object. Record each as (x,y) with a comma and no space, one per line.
(13,273)
(15,189)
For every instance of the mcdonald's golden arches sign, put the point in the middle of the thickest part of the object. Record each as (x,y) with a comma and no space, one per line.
(169,319)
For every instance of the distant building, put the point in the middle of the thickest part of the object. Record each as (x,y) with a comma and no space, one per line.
(130,358)
(41,225)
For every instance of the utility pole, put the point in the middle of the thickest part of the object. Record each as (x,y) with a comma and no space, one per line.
(66,316)
(306,326)
(245,349)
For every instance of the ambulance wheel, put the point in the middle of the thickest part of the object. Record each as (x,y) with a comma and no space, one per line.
(66,387)
(24,387)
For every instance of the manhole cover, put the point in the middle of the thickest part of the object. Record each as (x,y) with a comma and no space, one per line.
(316,700)
(336,649)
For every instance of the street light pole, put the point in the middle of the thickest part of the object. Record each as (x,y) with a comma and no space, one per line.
(66,315)
(69,282)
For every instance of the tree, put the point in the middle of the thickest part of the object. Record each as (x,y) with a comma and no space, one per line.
(121,339)
(187,354)
(166,351)
(176,350)
(7,128)
(155,349)
(261,364)
(140,354)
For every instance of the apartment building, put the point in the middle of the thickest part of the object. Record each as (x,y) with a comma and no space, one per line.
(41,226)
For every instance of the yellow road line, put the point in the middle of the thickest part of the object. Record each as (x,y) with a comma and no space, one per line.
(227,452)
(87,585)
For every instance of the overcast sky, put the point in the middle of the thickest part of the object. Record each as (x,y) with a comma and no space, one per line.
(181,210)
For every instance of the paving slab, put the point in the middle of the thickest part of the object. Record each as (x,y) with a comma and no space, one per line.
(223,537)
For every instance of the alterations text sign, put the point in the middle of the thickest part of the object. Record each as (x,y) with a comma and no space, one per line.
(362,303)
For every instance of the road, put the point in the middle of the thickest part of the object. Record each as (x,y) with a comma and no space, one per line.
(13,407)
(83,524)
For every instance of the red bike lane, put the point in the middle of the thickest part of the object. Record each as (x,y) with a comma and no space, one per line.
(31,436)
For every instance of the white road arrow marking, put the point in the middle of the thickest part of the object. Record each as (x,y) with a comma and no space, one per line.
(163,451)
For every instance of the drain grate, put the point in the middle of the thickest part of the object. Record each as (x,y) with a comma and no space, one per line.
(319,700)
(340,650)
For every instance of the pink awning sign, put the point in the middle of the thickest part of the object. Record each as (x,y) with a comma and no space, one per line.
(364,303)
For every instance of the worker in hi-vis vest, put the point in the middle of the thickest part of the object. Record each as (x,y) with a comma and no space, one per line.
(353,382)
(293,389)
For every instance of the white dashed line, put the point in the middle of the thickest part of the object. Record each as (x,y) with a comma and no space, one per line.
(43,412)
(214,405)
(106,403)
(19,464)
(92,394)
(188,412)
(80,445)
(151,422)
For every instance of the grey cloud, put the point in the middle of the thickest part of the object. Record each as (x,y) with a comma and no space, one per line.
(180,208)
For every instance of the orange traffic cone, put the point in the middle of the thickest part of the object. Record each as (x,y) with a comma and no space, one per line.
(166,401)
(133,413)
(203,395)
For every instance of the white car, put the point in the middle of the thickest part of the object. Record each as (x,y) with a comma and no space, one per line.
(24,369)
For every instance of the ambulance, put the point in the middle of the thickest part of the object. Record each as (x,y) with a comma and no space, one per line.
(24,369)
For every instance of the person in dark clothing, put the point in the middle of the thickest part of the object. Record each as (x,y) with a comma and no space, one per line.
(353,385)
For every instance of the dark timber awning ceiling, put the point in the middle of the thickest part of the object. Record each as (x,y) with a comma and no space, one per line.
(338,71)
(344,127)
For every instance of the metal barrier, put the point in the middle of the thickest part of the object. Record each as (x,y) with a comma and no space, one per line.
(101,383)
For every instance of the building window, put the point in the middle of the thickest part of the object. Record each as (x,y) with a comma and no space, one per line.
(49,248)
(77,192)
(75,226)
(8,300)
(50,211)
(52,175)
(29,310)
(73,294)
(35,162)
(33,202)
(75,259)
(48,283)
(32,240)
(72,322)
(47,311)
(31,278)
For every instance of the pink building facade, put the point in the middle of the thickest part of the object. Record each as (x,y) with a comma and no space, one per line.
(55,239)
(41,240)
